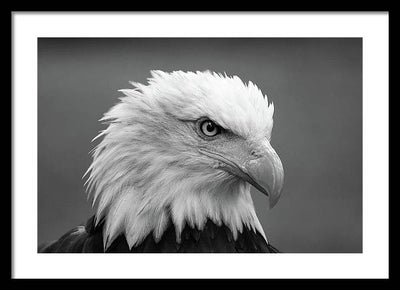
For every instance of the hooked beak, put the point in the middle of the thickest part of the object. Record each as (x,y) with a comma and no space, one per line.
(264,172)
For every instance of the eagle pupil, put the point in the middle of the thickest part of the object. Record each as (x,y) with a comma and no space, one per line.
(210,127)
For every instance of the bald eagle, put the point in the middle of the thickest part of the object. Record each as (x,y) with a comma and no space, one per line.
(173,170)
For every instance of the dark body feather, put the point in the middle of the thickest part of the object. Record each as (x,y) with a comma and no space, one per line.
(211,239)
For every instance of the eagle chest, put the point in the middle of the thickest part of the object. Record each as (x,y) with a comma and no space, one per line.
(211,239)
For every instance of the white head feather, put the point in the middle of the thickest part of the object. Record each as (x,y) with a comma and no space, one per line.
(146,170)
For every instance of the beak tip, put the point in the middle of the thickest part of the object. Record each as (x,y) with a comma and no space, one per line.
(273,202)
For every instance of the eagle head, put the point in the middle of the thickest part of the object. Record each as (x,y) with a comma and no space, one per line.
(183,148)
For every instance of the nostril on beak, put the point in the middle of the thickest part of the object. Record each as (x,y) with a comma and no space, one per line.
(255,154)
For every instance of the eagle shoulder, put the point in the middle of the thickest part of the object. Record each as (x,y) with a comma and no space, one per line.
(212,238)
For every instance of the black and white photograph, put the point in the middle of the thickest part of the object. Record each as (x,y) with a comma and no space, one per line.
(199,146)
(199,141)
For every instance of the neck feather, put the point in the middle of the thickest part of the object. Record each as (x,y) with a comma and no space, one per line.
(136,217)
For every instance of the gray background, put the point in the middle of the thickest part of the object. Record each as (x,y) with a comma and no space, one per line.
(315,84)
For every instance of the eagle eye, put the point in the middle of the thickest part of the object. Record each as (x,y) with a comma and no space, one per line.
(209,128)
